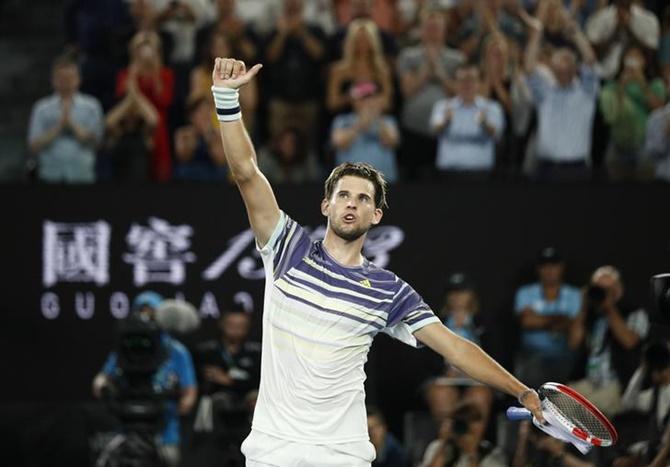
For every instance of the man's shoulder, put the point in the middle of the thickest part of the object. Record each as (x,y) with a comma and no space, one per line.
(530,288)
(88,101)
(45,103)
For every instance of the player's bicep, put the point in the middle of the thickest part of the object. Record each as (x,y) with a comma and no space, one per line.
(261,205)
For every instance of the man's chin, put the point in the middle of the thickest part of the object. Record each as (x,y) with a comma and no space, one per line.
(350,235)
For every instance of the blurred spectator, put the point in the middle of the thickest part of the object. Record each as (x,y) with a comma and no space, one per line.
(458,444)
(363,61)
(65,128)
(383,12)
(426,73)
(287,159)
(610,331)
(565,105)
(93,29)
(243,41)
(321,13)
(129,141)
(219,45)
(230,369)
(143,17)
(295,54)
(460,314)
(390,453)
(664,43)
(367,134)
(503,81)
(260,15)
(360,9)
(475,20)
(546,310)
(614,28)
(657,142)
(156,83)
(555,17)
(626,104)
(468,127)
(177,369)
(181,19)
(535,449)
(198,150)
(654,403)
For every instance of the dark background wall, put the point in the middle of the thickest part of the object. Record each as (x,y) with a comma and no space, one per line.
(492,232)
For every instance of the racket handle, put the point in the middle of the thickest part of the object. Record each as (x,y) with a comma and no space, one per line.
(518,413)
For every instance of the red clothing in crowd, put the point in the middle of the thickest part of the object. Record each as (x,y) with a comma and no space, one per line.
(160,94)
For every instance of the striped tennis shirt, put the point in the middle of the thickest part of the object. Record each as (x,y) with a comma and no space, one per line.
(319,320)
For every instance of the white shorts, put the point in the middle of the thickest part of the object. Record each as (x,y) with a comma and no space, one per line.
(263,450)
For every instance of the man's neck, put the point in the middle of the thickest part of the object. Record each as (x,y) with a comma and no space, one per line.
(231,347)
(344,252)
(551,290)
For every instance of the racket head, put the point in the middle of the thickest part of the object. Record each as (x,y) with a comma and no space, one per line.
(582,419)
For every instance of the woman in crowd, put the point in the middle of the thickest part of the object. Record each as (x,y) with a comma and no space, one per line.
(363,61)
(626,103)
(156,83)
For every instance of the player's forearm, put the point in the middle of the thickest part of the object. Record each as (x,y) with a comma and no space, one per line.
(240,153)
(477,364)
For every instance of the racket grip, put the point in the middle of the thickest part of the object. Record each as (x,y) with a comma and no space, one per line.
(518,413)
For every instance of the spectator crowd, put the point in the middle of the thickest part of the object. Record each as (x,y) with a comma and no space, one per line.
(473,90)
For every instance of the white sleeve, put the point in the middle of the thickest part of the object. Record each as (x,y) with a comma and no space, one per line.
(645,27)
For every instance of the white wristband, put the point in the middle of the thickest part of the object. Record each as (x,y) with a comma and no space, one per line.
(227,102)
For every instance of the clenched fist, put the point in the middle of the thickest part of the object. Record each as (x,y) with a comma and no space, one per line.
(231,73)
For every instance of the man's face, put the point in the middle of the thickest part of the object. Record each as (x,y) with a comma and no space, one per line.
(433,29)
(361,8)
(564,67)
(235,327)
(550,273)
(467,83)
(66,80)
(351,209)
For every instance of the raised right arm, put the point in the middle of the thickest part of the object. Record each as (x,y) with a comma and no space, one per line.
(255,189)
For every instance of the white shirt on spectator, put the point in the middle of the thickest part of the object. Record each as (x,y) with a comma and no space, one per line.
(464,144)
(184,32)
(637,399)
(565,115)
(657,142)
(603,25)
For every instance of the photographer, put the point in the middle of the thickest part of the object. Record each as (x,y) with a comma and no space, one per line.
(608,330)
(229,370)
(457,443)
(174,373)
(654,403)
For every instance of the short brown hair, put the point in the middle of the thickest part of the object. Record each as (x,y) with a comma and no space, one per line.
(362,170)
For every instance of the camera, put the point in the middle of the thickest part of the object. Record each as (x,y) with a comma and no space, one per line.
(134,399)
(595,296)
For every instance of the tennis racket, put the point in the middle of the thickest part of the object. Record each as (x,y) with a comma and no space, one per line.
(568,412)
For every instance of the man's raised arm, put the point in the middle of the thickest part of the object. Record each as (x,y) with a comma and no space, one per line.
(228,76)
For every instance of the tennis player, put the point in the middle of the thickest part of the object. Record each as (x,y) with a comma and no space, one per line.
(323,305)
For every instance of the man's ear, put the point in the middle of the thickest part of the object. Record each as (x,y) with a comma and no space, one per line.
(324,207)
(377,216)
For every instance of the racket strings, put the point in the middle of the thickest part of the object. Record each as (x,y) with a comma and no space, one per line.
(575,413)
